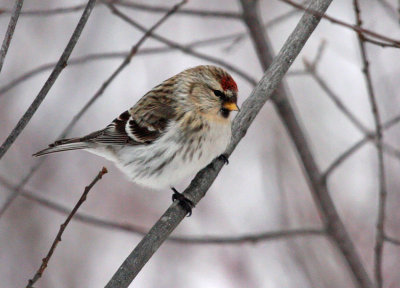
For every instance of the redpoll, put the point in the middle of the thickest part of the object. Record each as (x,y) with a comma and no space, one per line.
(172,132)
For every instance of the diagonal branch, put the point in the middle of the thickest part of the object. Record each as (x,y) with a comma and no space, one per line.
(335,227)
(10,31)
(379,238)
(45,261)
(62,62)
(358,29)
(204,179)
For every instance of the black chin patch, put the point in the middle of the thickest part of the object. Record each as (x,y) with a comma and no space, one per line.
(225,112)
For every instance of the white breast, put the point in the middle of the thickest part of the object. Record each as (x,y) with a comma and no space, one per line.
(170,159)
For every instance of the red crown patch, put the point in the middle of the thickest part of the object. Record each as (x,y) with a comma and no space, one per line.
(227,83)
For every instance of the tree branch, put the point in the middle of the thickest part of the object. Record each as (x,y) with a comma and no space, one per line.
(10,31)
(45,261)
(394,42)
(129,5)
(62,62)
(379,239)
(203,180)
(335,228)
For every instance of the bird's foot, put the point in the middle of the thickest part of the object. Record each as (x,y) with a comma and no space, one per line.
(186,203)
(224,158)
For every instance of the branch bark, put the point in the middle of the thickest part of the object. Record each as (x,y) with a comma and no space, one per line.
(10,31)
(62,62)
(335,228)
(204,179)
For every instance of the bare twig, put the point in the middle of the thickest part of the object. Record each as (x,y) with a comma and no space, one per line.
(10,31)
(126,227)
(17,189)
(395,42)
(63,226)
(203,180)
(335,227)
(392,240)
(379,136)
(146,51)
(335,99)
(83,110)
(50,81)
(163,9)
(129,5)
(350,151)
(184,49)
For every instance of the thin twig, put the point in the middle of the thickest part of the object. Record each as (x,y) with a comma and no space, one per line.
(50,81)
(146,51)
(184,49)
(355,28)
(392,240)
(335,99)
(356,146)
(10,31)
(380,229)
(83,110)
(45,261)
(163,9)
(335,227)
(126,227)
(203,180)
(129,5)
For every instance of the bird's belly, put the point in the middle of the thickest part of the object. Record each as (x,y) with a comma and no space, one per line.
(164,164)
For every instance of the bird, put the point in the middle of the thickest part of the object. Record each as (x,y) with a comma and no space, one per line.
(176,129)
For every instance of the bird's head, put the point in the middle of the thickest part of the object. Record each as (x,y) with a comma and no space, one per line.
(212,91)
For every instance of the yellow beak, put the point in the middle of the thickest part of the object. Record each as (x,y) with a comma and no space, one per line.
(231,106)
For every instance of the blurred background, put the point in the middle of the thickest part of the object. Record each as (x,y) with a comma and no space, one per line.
(262,189)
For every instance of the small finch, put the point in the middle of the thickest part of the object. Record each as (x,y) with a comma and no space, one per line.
(172,132)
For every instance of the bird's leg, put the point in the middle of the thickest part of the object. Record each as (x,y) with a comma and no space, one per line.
(224,158)
(186,203)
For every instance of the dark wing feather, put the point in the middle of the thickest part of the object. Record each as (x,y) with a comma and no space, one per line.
(142,124)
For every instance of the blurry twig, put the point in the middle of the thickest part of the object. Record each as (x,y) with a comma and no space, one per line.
(62,62)
(92,100)
(184,49)
(126,227)
(146,51)
(392,240)
(10,31)
(391,10)
(336,230)
(162,9)
(45,260)
(350,151)
(113,55)
(379,241)
(203,180)
(279,19)
(360,30)
(129,5)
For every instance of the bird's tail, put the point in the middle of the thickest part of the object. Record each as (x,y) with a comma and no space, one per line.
(64,145)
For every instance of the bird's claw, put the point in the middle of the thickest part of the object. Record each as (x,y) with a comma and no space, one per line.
(185,203)
(224,158)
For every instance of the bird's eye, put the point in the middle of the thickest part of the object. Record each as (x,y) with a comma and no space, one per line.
(219,94)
